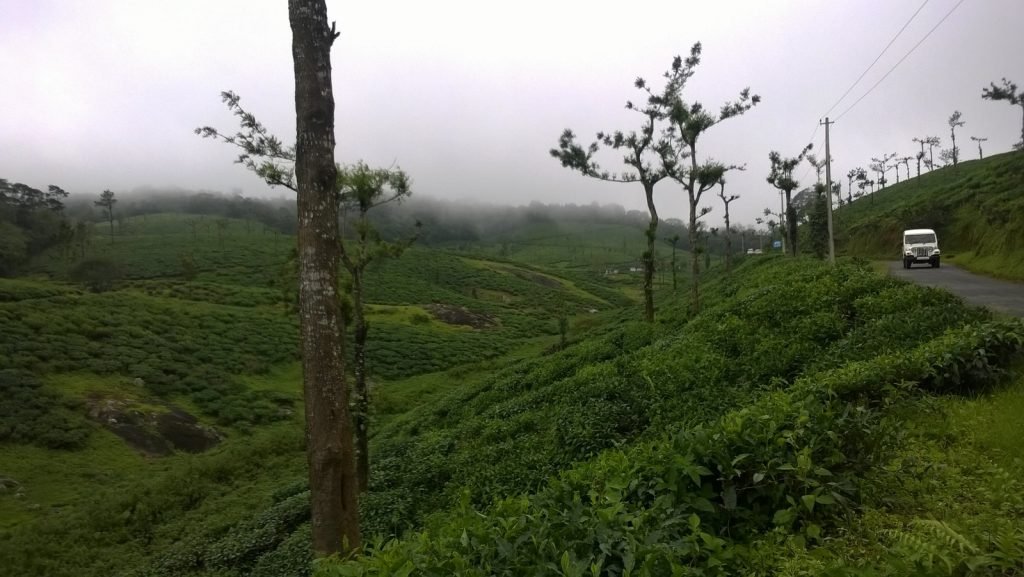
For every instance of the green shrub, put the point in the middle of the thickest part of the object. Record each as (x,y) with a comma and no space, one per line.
(98,274)
(788,462)
(31,413)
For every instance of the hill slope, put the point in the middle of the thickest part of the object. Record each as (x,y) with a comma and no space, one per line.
(977,210)
(596,415)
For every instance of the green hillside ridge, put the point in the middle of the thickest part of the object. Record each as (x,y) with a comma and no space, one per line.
(605,408)
(977,209)
(158,342)
(495,450)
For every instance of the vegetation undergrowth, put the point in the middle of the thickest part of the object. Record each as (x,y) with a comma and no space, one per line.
(783,472)
(792,370)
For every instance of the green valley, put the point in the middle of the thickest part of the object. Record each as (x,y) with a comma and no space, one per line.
(772,433)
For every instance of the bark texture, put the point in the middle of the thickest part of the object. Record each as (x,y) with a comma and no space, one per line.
(329,445)
(648,256)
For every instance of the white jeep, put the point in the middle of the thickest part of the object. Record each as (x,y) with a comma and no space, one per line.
(920,245)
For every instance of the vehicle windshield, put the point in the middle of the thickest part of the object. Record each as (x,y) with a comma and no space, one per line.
(919,239)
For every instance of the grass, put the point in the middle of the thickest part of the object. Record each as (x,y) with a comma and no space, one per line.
(50,482)
(992,425)
(948,500)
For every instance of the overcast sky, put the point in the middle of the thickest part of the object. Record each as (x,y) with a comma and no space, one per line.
(468,97)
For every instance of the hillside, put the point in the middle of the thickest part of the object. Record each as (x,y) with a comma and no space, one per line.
(977,210)
(119,387)
(493,450)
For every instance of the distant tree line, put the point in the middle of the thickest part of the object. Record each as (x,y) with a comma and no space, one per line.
(274,213)
(31,221)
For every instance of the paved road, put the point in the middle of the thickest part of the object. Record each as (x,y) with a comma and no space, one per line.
(998,295)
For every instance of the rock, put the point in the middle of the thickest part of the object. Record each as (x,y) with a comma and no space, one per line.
(154,433)
(455,315)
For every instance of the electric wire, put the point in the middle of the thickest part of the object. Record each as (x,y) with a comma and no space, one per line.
(877,58)
(905,56)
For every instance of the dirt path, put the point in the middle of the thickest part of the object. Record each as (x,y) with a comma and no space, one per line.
(999,295)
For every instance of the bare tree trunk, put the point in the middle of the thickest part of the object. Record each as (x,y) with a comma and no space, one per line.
(110,219)
(648,256)
(728,241)
(692,234)
(791,225)
(674,240)
(329,448)
(361,418)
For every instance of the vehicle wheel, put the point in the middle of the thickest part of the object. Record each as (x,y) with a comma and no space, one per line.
(935,264)
(906,263)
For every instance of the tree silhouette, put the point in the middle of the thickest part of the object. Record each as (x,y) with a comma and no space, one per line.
(644,156)
(817,164)
(954,123)
(688,121)
(107,201)
(357,190)
(930,142)
(1008,92)
(361,189)
(726,200)
(781,177)
(858,174)
(905,161)
(979,141)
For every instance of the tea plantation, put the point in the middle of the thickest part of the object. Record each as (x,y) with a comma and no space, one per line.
(810,420)
(977,209)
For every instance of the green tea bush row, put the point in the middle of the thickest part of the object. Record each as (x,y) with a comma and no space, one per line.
(784,321)
(31,413)
(14,290)
(193,349)
(693,503)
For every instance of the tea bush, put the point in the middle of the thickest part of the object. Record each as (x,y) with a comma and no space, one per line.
(692,503)
(33,413)
(787,320)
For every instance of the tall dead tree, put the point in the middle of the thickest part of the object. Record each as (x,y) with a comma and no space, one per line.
(781,177)
(330,450)
(1008,92)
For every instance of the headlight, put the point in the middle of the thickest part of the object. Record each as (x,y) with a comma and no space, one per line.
(909,253)
(936,251)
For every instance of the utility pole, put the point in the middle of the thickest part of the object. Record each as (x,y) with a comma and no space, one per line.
(828,193)
(782,220)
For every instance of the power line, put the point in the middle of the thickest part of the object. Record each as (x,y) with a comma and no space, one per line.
(948,14)
(877,58)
